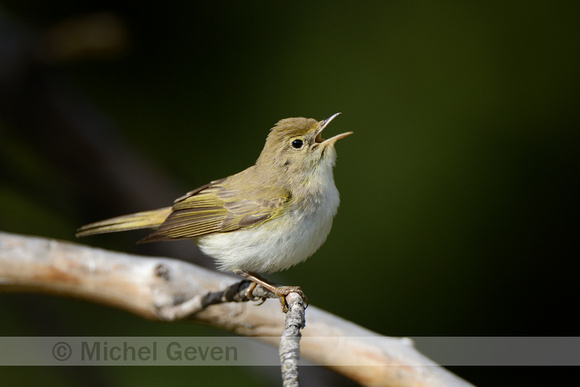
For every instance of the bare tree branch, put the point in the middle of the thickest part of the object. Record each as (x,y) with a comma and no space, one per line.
(167,289)
(290,340)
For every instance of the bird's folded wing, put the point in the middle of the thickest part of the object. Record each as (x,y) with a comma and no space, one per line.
(214,208)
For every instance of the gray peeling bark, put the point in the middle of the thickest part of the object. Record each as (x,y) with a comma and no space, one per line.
(168,289)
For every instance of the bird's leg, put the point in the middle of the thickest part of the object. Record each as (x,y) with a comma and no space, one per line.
(280,291)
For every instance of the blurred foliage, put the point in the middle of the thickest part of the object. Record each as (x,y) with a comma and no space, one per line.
(459,189)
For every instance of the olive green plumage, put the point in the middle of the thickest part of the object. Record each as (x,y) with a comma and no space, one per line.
(266,218)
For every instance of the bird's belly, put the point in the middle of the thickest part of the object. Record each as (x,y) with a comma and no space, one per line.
(275,245)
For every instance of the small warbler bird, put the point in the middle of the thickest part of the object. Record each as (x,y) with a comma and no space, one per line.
(267,218)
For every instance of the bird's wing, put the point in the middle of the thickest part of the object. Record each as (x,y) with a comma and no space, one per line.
(216,208)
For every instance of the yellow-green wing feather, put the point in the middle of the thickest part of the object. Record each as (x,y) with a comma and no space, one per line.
(215,208)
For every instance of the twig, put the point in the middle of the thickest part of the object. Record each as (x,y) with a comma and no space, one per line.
(237,292)
(149,287)
(290,339)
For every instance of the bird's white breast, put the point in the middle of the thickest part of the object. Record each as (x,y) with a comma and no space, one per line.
(282,242)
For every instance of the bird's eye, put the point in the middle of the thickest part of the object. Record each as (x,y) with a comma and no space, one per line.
(297,144)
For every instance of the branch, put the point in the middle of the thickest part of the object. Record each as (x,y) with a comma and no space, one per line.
(290,340)
(163,289)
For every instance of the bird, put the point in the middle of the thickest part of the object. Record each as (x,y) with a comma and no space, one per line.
(264,219)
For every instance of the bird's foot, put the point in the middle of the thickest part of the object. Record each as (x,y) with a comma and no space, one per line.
(280,291)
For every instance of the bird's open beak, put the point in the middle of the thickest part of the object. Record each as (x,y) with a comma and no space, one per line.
(323,124)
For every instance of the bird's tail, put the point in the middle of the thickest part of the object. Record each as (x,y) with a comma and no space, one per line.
(145,219)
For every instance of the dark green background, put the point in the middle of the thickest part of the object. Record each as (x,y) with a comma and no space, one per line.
(459,188)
